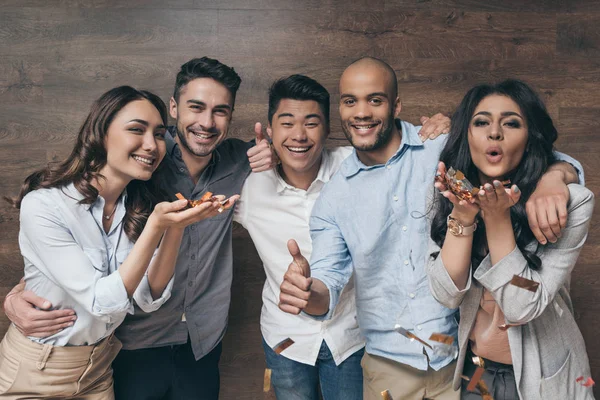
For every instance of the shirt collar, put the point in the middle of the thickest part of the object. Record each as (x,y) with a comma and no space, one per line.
(410,138)
(323,175)
(71,191)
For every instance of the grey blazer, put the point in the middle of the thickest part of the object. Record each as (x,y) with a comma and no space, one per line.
(547,350)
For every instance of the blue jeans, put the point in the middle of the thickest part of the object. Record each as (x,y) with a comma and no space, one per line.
(296,381)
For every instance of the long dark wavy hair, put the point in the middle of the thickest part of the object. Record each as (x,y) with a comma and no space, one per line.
(88,157)
(537,157)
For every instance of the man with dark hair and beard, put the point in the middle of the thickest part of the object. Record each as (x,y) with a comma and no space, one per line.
(370,220)
(174,353)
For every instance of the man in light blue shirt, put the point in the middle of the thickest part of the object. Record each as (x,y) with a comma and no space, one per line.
(371,219)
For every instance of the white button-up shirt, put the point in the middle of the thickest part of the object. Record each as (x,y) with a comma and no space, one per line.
(71,261)
(274,212)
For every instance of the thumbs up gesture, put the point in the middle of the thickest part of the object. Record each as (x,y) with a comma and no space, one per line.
(295,288)
(262,157)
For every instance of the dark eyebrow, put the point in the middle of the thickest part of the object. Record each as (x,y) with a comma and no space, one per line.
(203,104)
(503,115)
(140,121)
(343,96)
(282,115)
(382,94)
(312,116)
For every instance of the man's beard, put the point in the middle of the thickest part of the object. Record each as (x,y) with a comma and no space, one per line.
(381,140)
(203,152)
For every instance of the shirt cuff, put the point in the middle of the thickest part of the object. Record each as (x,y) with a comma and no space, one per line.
(143,295)
(334,297)
(493,277)
(111,297)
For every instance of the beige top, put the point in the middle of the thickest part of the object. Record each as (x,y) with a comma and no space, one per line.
(487,340)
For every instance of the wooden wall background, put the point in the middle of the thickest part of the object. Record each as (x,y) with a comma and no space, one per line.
(57,56)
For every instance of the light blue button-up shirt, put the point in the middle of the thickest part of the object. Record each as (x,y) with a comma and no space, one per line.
(373,219)
(72,262)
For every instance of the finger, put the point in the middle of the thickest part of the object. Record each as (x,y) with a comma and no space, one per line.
(262,168)
(299,259)
(542,217)
(533,223)
(561,209)
(423,119)
(289,309)
(499,189)
(490,194)
(259,133)
(262,157)
(51,325)
(514,193)
(292,301)
(553,221)
(231,201)
(293,290)
(36,301)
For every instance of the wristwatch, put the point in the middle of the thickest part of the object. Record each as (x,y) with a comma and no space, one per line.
(458,229)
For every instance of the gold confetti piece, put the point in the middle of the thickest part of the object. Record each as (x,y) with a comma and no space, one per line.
(478,361)
(505,327)
(267,381)
(411,336)
(284,344)
(386,395)
(440,337)
(585,382)
(475,378)
(483,389)
(524,283)
(466,378)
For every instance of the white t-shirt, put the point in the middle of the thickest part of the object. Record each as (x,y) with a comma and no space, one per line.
(274,212)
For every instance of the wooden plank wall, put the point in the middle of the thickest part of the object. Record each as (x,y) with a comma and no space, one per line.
(57,56)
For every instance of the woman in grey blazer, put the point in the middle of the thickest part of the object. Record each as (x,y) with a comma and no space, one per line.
(515,311)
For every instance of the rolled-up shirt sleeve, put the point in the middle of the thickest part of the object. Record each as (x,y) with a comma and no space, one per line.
(48,244)
(576,164)
(330,260)
(143,295)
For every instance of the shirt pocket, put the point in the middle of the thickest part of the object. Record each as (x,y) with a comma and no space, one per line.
(562,384)
(98,257)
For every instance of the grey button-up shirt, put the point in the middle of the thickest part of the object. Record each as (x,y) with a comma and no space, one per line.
(201,293)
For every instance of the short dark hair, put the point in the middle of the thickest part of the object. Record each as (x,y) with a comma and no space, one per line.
(206,67)
(298,87)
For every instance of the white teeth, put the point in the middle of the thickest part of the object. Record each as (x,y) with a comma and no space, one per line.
(364,127)
(148,161)
(201,135)
(299,149)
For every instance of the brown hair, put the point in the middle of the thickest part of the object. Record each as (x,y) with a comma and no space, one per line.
(88,157)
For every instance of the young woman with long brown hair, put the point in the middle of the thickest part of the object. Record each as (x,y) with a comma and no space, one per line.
(94,237)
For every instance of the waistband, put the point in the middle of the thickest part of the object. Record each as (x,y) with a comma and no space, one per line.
(43,353)
(489,364)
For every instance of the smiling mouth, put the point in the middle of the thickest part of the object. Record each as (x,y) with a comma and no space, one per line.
(202,135)
(144,160)
(364,127)
(300,150)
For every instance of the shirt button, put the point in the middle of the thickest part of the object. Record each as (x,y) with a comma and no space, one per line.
(389,167)
(193,257)
(412,295)
(395,198)
(181,169)
(405,262)
(190,284)
(419,327)
(404,228)
(192,227)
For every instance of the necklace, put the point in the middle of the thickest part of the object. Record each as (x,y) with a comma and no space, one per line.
(107,217)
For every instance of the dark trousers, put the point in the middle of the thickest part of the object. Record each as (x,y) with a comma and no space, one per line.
(166,373)
(499,379)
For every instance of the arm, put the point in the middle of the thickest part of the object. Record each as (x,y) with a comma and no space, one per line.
(495,272)
(547,206)
(155,287)
(33,315)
